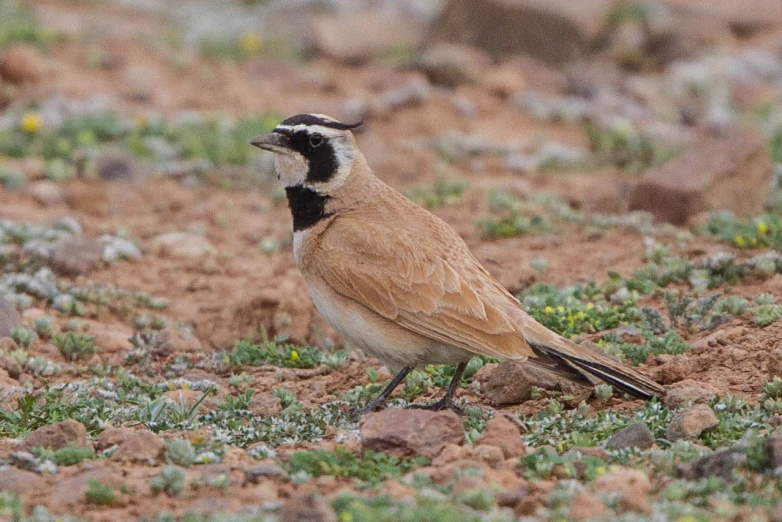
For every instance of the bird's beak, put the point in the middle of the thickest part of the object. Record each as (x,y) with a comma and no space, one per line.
(273,141)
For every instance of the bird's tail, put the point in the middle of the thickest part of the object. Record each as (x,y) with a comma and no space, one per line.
(582,364)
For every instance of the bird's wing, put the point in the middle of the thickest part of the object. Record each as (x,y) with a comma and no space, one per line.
(424,279)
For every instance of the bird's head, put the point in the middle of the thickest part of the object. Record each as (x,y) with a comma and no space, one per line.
(312,151)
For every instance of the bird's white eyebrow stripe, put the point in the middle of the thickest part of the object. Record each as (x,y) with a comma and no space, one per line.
(320,129)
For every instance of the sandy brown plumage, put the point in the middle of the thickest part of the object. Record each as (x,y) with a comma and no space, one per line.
(400,283)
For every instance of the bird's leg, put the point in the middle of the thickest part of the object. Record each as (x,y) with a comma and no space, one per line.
(381,398)
(447,401)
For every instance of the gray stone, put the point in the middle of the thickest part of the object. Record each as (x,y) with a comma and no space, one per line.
(9,318)
(636,435)
(77,256)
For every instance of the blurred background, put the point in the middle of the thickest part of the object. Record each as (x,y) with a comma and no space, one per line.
(540,129)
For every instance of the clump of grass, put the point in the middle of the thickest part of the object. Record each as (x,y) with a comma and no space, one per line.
(761,232)
(181,452)
(74,346)
(23,337)
(70,455)
(99,493)
(170,480)
(766,311)
(43,326)
(279,353)
(439,194)
(625,148)
(372,468)
(512,220)
(669,343)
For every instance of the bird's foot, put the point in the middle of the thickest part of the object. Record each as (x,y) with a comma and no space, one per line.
(446,403)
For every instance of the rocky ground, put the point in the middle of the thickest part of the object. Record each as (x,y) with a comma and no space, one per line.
(160,358)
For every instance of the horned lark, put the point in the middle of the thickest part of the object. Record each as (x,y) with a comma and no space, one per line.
(396,281)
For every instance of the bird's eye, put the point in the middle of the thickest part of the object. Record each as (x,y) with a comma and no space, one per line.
(316,140)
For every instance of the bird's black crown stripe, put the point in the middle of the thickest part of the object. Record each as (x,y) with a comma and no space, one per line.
(307,207)
(311,119)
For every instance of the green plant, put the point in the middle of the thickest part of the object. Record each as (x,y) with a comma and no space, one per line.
(279,353)
(764,231)
(440,193)
(71,455)
(23,337)
(100,494)
(669,343)
(43,326)
(181,452)
(74,346)
(372,468)
(170,480)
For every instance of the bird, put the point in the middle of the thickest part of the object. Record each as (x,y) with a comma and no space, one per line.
(398,282)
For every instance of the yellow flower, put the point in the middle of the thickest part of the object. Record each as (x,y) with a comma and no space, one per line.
(31,122)
(763,227)
(548,310)
(739,241)
(687,518)
(560,309)
(345,517)
(600,470)
(590,306)
(294,356)
(250,43)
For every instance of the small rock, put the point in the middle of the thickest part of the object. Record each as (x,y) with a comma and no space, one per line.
(687,393)
(636,435)
(265,405)
(22,63)
(10,365)
(112,437)
(491,455)
(774,448)
(47,193)
(77,256)
(451,65)
(726,172)
(512,382)
(555,31)
(18,481)
(503,433)
(254,473)
(307,507)
(722,463)
(9,318)
(116,167)
(691,423)
(775,364)
(176,340)
(586,506)
(358,37)
(411,432)
(143,447)
(56,436)
(626,482)
(181,245)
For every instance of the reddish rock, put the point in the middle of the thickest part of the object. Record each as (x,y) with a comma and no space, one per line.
(307,507)
(552,30)
(77,256)
(728,172)
(503,433)
(452,65)
(775,364)
(56,436)
(9,318)
(143,447)
(18,481)
(512,382)
(22,63)
(691,423)
(411,432)
(631,485)
(686,393)
(586,506)
(112,437)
